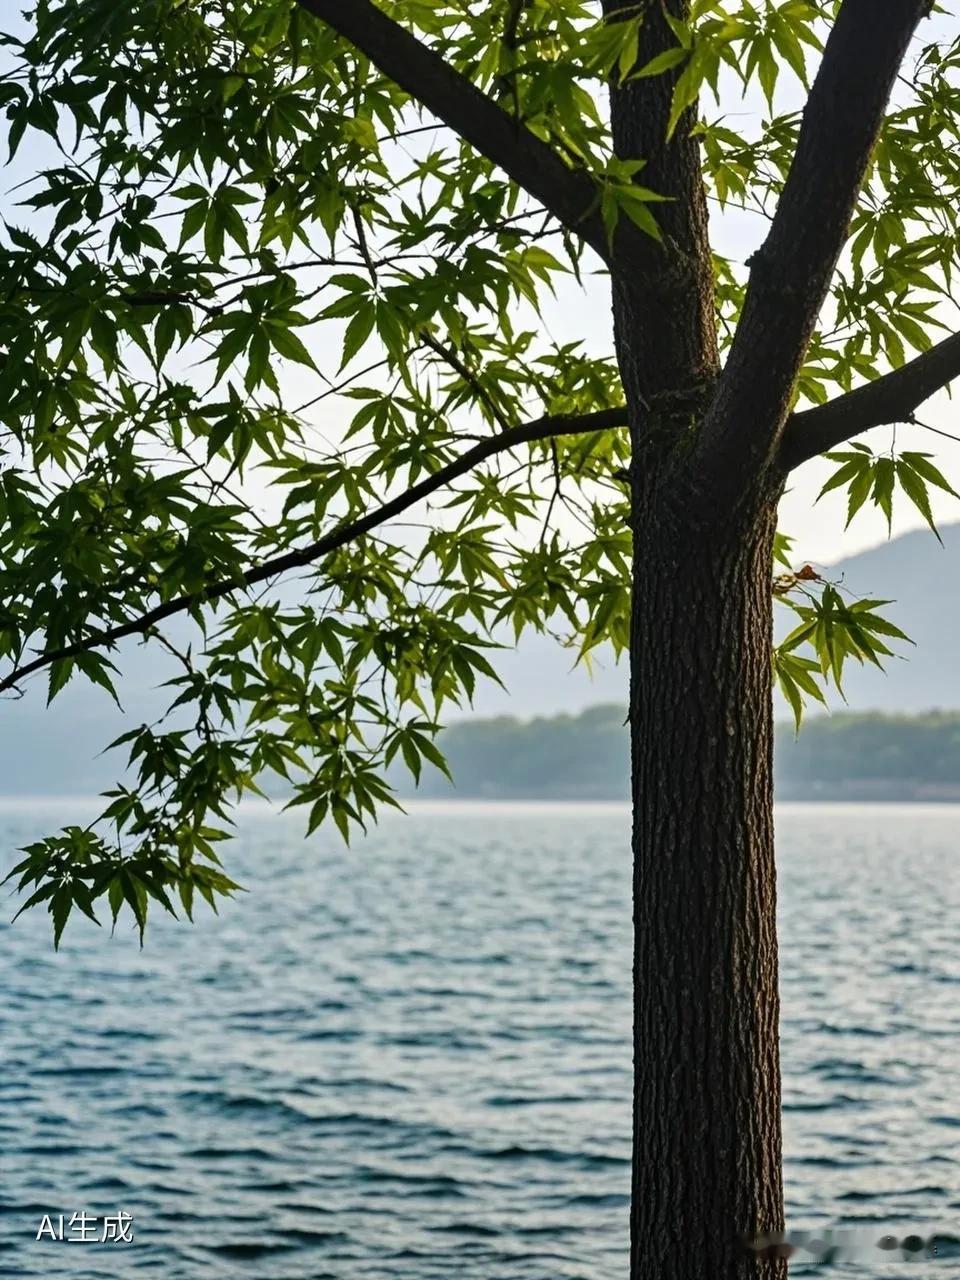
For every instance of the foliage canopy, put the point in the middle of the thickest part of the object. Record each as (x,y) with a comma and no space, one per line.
(258,299)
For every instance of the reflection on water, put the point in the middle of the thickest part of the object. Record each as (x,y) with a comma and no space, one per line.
(412,1059)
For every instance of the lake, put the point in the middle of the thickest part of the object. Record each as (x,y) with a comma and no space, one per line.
(412,1058)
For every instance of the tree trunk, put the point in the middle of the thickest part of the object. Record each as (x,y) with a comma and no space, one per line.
(707,1151)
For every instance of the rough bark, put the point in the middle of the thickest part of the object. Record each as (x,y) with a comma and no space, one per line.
(706,1141)
(707,1147)
(664,298)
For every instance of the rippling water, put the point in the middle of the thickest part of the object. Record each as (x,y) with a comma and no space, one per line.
(412,1059)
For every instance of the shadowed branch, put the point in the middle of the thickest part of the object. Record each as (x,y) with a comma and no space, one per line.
(540,429)
(892,398)
(790,274)
(571,195)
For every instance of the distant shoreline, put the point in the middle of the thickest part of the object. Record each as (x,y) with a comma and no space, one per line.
(882,793)
(922,794)
(865,758)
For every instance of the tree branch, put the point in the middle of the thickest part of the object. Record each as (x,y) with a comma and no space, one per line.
(571,195)
(889,399)
(791,273)
(664,307)
(541,429)
(471,379)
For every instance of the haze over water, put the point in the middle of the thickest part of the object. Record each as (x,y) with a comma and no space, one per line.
(412,1059)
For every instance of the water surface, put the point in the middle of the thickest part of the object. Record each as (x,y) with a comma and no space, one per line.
(412,1059)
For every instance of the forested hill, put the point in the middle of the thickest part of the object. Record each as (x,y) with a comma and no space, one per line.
(586,757)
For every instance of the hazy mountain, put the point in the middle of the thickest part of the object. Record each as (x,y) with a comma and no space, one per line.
(922,578)
(57,750)
(914,571)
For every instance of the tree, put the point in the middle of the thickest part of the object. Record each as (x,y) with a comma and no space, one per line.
(226,178)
